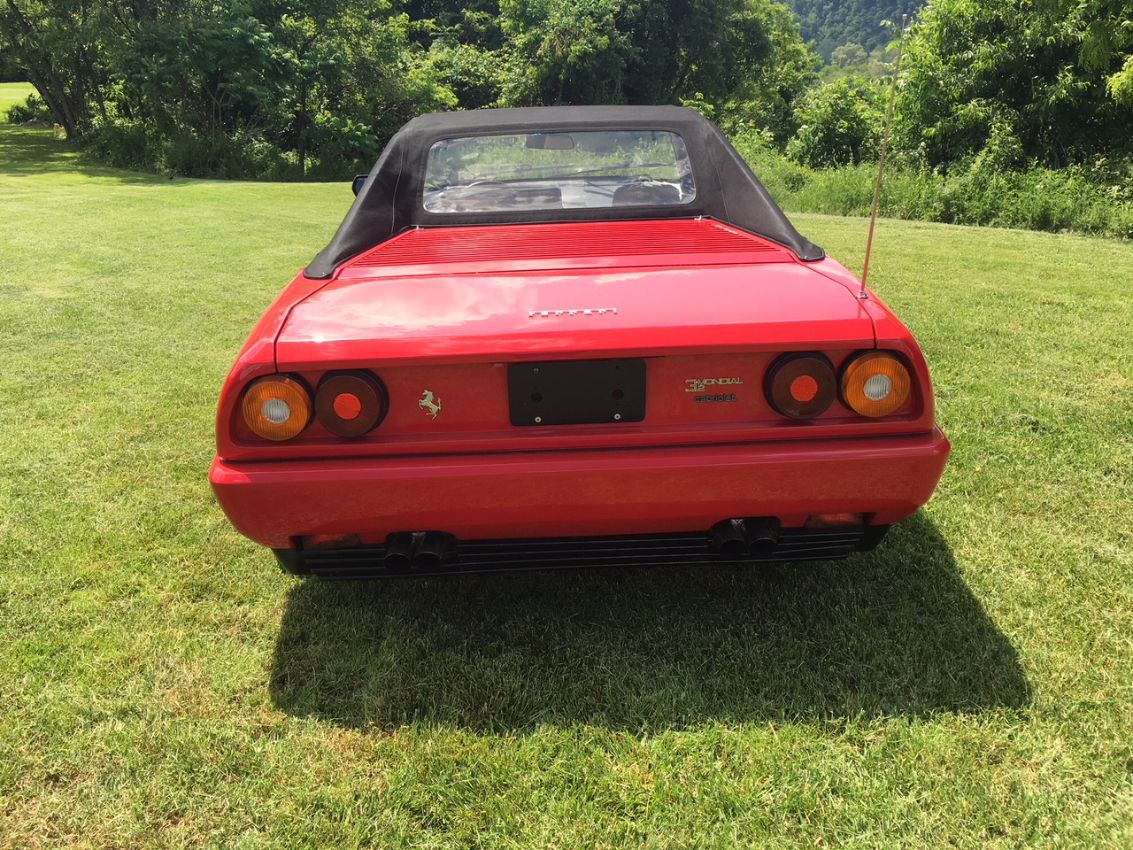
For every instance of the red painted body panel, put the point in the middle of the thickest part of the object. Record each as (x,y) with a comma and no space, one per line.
(447,309)
(587,245)
(691,305)
(580,493)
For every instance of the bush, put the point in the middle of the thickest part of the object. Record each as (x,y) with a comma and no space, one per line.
(32,111)
(223,156)
(839,124)
(471,74)
(781,177)
(218,155)
(123,146)
(344,148)
(975,193)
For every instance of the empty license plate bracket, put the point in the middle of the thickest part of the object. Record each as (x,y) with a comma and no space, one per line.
(577,392)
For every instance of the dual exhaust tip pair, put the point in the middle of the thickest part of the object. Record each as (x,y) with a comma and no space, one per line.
(419,550)
(732,539)
(739,539)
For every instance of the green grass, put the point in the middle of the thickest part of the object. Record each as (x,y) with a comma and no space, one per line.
(11,94)
(970,684)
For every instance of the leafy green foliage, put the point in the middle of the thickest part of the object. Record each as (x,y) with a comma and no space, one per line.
(60,44)
(1017,75)
(831,24)
(563,51)
(839,124)
(470,73)
(849,55)
(1009,113)
(977,193)
(326,83)
(766,99)
(11,70)
(31,111)
(1120,84)
(992,90)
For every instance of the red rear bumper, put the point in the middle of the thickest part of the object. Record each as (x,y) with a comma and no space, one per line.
(569,493)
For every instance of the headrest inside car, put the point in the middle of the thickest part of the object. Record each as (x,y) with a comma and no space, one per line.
(498,198)
(646,194)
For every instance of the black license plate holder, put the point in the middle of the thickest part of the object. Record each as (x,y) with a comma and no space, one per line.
(577,392)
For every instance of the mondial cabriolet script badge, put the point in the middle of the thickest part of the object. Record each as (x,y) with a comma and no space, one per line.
(429,403)
(699,385)
(580,311)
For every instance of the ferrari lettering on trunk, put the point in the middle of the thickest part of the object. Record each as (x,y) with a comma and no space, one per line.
(580,311)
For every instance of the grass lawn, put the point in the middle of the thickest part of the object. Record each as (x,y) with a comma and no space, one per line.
(969,684)
(11,94)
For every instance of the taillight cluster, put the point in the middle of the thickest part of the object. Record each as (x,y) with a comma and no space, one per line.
(871,383)
(348,404)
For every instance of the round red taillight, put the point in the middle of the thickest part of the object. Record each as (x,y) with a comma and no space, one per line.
(801,386)
(347,406)
(350,404)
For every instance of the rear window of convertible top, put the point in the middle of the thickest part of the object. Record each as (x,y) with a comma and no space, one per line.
(551,171)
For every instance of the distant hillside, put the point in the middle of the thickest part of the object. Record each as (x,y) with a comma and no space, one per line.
(832,23)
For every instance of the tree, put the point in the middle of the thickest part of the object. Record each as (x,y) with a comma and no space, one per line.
(298,87)
(1046,75)
(563,51)
(1107,43)
(848,55)
(767,97)
(745,57)
(11,68)
(840,124)
(469,72)
(58,43)
(830,23)
(685,47)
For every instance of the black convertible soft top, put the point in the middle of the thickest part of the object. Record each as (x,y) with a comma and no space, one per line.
(390,200)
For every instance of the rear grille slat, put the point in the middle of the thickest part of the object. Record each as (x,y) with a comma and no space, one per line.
(584,541)
(683,549)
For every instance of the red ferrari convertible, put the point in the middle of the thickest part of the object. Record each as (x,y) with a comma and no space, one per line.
(569,337)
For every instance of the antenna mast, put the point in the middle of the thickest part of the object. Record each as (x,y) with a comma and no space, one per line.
(881,160)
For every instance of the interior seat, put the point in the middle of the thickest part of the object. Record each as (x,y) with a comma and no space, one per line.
(646,195)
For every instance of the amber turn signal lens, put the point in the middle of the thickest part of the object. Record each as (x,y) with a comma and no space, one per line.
(801,386)
(876,384)
(276,407)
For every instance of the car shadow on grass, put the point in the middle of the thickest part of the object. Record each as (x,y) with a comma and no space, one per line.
(892,632)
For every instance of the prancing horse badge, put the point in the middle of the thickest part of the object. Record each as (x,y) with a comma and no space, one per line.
(429,403)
